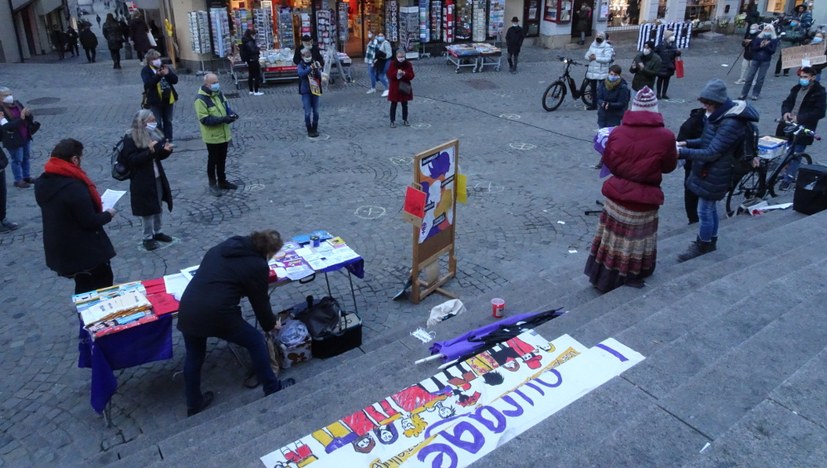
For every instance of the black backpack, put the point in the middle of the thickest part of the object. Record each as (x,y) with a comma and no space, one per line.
(120,170)
(745,152)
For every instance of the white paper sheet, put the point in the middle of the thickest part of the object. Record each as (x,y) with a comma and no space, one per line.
(176,284)
(110,197)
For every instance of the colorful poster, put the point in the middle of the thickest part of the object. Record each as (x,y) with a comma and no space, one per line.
(466,411)
(437,181)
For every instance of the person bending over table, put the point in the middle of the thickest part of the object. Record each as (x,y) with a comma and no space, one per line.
(210,307)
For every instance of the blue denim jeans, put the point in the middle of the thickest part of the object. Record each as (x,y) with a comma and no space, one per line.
(759,69)
(377,75)
(242,334)
(19,161)
(792,166)
(708,217)
(311,110)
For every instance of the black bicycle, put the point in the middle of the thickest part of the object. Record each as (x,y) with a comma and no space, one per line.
(556,92)
(769,176)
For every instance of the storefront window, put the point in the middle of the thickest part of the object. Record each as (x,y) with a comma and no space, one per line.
(702,10)
(624,12)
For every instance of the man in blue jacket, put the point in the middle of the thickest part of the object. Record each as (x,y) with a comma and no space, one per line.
(711,156)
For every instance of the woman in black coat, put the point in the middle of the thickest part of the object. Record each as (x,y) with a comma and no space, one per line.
(144,148)
(159,88)
(113,34)
(209,307)
(668,54)
(139,32)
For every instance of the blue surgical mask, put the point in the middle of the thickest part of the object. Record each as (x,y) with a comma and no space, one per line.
(768,35)
(804,82)
(215,87)
(151,125)
(613,78)
(816,40)
(380,39)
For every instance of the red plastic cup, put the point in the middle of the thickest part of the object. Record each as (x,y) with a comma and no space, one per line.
(497,307)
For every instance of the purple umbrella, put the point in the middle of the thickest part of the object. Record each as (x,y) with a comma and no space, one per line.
(471,342)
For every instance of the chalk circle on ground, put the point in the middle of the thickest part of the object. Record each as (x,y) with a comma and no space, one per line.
(322,136)
(522,146)
(488,187)
(401,160)
(369,212)
(254,187)
(421,125)
(510,116)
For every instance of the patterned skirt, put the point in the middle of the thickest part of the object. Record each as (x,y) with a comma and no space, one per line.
(624,247)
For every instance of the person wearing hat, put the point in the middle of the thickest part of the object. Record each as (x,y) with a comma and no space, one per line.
(315,52)
(668,53)
(514,41)
(645,67)
(712,155)
(762,48)
(638,153)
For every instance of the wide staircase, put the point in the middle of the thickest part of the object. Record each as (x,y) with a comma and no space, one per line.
(734,370)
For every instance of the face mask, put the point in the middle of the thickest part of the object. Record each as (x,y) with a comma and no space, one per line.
(156,63)
(647,51)
(307,59)
(380,39)
(707,114)
(515,24)
(670,40)
(307,45)
(767,35)
(400,59)
(8,99)
(753,30)
(816,40)
(613,78)
(804,81)
(215,87)
(599,40)
(370,35)
(151,125)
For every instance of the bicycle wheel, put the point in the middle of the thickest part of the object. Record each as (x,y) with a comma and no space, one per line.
(587,97)
(779,184)
(751,186)
(554,96)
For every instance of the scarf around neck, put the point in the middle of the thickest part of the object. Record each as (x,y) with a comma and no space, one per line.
(610,85)
(60,167)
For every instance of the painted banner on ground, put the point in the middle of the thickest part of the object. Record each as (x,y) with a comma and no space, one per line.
(466,411)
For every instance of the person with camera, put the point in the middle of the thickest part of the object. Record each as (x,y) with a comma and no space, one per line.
(144,147)
(214,116)
(400,73)
(310,88)
(235,268)
(805,105)
(159,88)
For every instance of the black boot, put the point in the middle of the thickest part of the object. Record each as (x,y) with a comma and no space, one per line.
(696,249)
(714,244)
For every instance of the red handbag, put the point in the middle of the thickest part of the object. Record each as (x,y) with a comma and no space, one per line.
(679,68)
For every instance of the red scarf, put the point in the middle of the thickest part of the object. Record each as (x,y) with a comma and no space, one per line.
(65,168)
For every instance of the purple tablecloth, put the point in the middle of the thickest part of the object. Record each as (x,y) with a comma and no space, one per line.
(146,343)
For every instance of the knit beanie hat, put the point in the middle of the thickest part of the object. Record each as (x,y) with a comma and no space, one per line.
(715,91)
(645,100)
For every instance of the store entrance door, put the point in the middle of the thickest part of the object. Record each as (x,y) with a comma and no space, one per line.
(531,18)
(363,17)
(584,23)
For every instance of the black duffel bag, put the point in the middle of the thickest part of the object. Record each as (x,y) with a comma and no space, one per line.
(321,318)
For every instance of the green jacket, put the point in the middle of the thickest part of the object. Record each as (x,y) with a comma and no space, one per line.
(210,110)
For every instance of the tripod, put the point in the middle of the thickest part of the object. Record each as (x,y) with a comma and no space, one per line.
(594,212)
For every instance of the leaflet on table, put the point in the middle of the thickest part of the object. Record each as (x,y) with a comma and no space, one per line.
(294,267)
(85,300)
(117,307)
(326,256)
(189,272)
(175,284)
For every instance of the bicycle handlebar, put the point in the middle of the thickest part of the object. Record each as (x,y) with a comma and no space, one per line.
(568,60)
(795,128)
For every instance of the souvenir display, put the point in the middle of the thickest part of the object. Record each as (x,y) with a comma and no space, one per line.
(220,27)
(479,20)
(199,25)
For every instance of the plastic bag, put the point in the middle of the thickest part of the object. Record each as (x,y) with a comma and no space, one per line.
(292,333)
(445,310)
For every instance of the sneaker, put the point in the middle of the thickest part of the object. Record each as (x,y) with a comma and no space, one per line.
(7,226)
(393,124)
(777,75)
(206,400)
(755,98)
(215,191)
(22,184)
(406,123)
(287,383)
(150,245)
(313,133)
(161,237)
(250,93)
(371,91)
(227,185)
(741,98)
(665,97)
(385,93)
(740,81)
(28,180)
(258,93)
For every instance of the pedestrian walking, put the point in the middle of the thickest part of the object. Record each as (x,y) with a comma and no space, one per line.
(89,42)
(668,53)
(250,53)
(600,55)
(712,155)
(805,105)
(17,131)
(762,48)
(144,147)
(114,39)
(6,226)
(751,34)
(379,50)
(59,41)
(400,74)
(98,19)
(310,89)
(624,249)
(209,307)
(645,67)
(139,33)
(72,41)
(214,116)
(74,241)
(612,98)
(514,42)
(584,21)
(159,87)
